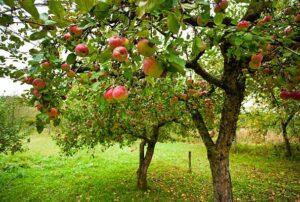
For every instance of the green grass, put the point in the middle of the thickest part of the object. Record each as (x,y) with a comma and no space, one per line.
(43,174)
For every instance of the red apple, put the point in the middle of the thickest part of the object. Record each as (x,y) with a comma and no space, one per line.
(81,50)
(124,41)
(71,73)
(39,107)
(120,54)
(39,83)
(28,79)
(184,96)
(223,4)
(174,99)
(217,8)
(243,25)
(288,30)
(254,65)
(115,41)
(268,18)
(295,95)
(53,113)
(108,95)
(75,30)
(65,66)
(120,93)
(36,93)
(146,47)
(96,66)
(257,58)
(46,64)
(152,67)
(67,37)
(297,17)
(284,94)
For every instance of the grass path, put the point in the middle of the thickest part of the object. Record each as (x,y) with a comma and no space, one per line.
(43,174)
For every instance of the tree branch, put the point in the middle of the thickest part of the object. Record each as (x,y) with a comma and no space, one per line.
(203,73)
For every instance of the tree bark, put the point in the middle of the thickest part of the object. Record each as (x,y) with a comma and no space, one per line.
(145,159)
(284,125)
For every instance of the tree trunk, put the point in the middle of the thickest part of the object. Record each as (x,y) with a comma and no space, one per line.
(286,140)
(145,160)
(219,165)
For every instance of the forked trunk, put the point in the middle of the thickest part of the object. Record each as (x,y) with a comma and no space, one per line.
(145,159)
(286,140)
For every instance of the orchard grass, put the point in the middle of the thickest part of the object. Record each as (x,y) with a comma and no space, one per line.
(42,173)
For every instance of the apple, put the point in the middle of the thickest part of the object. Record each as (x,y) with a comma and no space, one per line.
(53,113)
(268,18)
(243,25)
(81,50)
(184,96)
(120,93)
(146,48)
(152,67)
(174,99)
(46,64)
(217,8)
(36,93)
(39,84)
(297,17)
(39,107)
(28,79)
(284,94)
(67,37)
(96,66)
(120,54)
(223,4)
(115,41)
(288,30)
(124,41)
(261,22)
(295,95)
(254,65)
(71,73)
(189,82)
(65,66)
(75,30)
(257,58)
(108,95)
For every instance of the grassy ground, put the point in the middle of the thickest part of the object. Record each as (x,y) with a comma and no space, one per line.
(43,174)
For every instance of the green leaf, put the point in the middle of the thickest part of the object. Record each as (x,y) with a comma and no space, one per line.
(172,23)
(218,19)
(6,19)
(196,47)
(105,55)
(238,41)
(71,58)
(56,8)
(96,86)
(177,63)
(38,35)
(28,5)
(85,5)
(10,3)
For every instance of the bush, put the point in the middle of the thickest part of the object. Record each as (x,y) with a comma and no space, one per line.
(10,126)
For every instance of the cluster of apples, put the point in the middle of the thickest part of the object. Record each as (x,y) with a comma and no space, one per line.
(256,60)
(38,85)
(220,6)
(117,44)
(295,95)
(47,65)
(75,32)
(118,93)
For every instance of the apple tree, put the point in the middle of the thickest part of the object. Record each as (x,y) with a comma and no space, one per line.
(160,39)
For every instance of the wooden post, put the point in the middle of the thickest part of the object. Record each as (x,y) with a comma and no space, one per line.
(190,161)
